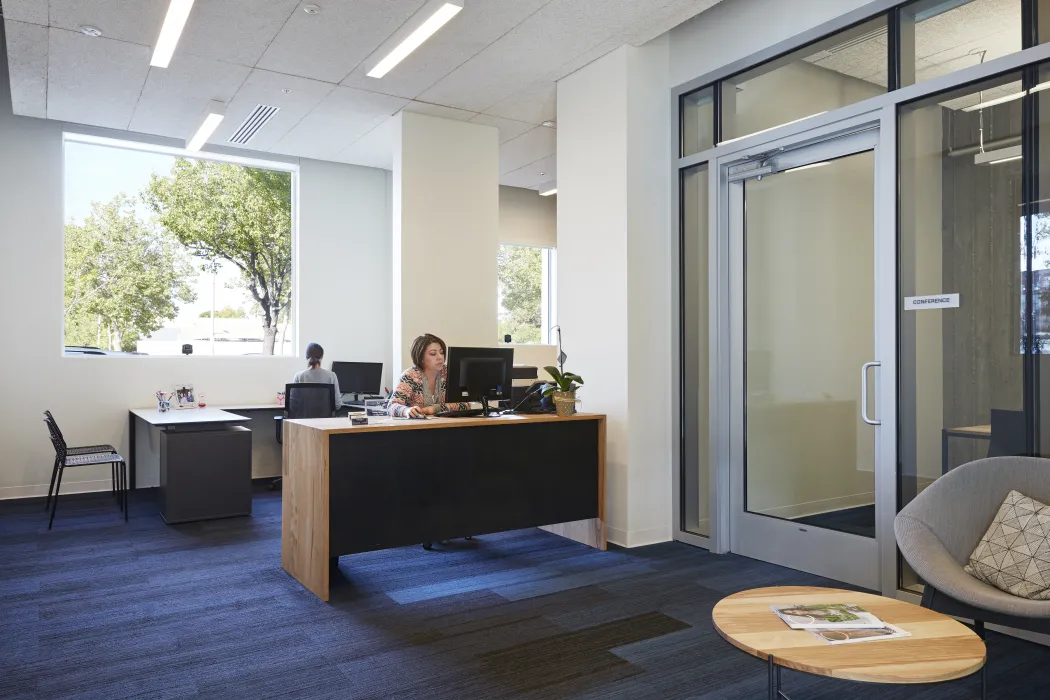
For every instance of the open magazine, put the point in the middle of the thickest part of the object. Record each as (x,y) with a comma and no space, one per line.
(852,636)
(827,616)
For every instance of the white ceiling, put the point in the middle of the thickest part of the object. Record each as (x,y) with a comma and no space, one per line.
(495,63)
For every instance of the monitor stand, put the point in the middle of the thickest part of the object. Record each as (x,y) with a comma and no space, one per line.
(486,411)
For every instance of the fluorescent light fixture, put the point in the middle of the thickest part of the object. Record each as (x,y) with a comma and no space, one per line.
(434,16)
(548,193)
(756,133)
(997,101)
(807,167)
(212,118)
(999,155)
(170,31)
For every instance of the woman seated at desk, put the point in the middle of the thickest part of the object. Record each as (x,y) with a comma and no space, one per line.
(421,389)
(314,374)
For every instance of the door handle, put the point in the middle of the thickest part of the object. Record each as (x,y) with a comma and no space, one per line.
(864,393)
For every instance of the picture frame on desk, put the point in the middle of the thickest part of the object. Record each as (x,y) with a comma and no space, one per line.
(184,397)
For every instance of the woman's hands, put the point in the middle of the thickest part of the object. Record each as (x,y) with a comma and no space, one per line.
(417,412)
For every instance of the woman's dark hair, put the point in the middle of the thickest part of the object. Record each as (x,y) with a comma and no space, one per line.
(314,353)
(420,345)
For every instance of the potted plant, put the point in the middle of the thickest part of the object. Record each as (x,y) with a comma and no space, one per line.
(563,390)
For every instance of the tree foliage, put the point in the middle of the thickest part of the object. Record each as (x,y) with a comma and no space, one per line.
(123,277)
(225,312)
(521,293)
(242,215)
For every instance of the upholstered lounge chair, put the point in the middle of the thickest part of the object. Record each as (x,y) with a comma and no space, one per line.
(939,529)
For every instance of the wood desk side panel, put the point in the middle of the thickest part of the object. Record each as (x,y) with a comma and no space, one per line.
(589,532)
(304,507)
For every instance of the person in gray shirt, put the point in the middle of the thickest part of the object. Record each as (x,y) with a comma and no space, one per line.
(316,375)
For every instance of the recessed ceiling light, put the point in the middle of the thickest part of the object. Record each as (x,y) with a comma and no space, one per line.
(420,27)
(90,31)
(548,193)
(549,124)
(311,9)
(286,91)
(213,116)
(543,173)
(170,31)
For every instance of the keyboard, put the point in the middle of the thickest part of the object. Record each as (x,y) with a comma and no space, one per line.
(469,413)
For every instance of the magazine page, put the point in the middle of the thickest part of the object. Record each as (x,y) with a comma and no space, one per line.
(853,636)
(826,616)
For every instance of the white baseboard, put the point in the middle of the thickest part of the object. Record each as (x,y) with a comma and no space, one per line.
(637,538)
(40,490)
(827,505)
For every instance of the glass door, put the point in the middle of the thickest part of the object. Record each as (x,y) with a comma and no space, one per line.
(807,374)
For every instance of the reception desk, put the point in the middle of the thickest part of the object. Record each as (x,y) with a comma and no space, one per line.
(392,483)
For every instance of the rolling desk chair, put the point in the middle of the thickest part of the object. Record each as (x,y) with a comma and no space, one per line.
(305,400)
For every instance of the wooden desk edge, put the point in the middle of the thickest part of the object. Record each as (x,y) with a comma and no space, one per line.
(336,426)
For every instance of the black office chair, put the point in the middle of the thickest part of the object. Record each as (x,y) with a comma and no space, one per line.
(304,400)
(1008,433)
(65,458)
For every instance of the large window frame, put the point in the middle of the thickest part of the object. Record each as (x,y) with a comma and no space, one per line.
(549,293)
(881,109)
(96,137)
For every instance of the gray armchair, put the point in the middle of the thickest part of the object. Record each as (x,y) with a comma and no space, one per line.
(938,530)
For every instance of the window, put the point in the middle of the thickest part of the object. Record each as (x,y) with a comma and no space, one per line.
(164,250)
(526,293)
(698,120)
(942,36)
(843,69)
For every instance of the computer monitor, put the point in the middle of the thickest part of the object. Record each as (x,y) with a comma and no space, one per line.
(359,377)
(479,374)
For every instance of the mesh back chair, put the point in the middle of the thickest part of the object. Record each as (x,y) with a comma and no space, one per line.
(64,459)
(305,400)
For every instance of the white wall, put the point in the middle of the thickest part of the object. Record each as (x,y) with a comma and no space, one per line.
(342,207)
(614,250)
(446,232)
(735,29)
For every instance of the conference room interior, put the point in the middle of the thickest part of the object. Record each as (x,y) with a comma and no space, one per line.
(799,259)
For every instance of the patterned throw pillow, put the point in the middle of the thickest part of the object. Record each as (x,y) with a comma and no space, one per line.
(1014,555)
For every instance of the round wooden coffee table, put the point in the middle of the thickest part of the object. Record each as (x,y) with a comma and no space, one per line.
(939,648)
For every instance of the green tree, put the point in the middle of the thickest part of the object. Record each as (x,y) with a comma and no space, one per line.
(226,312)
(242,215)
(123,277)
(521,293)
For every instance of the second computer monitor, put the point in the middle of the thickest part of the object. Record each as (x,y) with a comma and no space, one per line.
(479,374)
(359,377)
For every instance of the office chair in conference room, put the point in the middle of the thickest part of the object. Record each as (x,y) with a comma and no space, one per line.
(1008,433)
(304,400)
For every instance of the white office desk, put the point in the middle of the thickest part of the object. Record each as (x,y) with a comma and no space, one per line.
(187,416)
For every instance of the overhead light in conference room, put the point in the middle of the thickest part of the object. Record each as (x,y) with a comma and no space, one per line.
(420,27)
(807,167)
(170,31)
(548,193)
(997,101)
(999,155)
(213,116)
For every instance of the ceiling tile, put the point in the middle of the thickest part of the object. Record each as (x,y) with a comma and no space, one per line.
(27,65)
(551,37)
(137,21)
(527,148)
(536,104)
(343,117)
(375,149)
(174,98)
(440,111)
(478,25)
(532,175)
(330,44)
(264,87)
(94,80)
(508,128)
(32,11)
(234,31)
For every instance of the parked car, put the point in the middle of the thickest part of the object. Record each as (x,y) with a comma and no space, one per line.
(89,350)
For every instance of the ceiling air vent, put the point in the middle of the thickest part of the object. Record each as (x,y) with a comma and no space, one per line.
(258,118)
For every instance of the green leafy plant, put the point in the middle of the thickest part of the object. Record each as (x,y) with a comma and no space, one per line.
(566,381)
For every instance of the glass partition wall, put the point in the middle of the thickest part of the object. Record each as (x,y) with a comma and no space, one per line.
(962,195)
